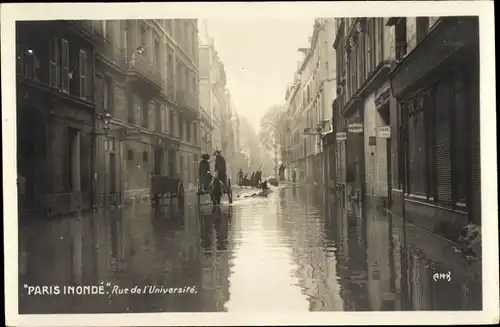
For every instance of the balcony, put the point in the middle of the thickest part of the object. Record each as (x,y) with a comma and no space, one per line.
(146,71)
(184,99)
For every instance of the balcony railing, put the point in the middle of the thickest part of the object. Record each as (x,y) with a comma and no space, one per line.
(183,98)
(143,66)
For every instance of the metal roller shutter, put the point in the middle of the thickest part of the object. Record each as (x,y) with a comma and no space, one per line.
(443,143)
(475,155)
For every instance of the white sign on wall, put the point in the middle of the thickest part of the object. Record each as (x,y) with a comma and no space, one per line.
(341,136)
(384,132)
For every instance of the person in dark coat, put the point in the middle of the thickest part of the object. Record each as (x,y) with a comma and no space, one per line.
(204,171)
(258,177)
(240,177)
(220,167)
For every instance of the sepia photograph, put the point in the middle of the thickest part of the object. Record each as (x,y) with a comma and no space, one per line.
(179,158)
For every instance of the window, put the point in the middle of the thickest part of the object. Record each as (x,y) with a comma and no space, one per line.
(145,155)
(157,57)
(104,27)
(422,28)
(142,36)
(145,115)
(65,65)
(83,73)
(106,93)
(171,122)
(169,26)
(401,42)
(54,77)
(130,155)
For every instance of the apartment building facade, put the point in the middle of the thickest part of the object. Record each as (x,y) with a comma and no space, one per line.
(55,114)
(147,74)
(436,181)
(309,100)
(362,110)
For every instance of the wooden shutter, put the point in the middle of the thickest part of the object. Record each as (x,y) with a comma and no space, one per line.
(54,77)
(83,74)
(65,65)
(443,143)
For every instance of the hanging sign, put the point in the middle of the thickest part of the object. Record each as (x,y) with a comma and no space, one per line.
(341,136)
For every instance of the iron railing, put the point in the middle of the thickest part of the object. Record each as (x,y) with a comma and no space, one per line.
(143,66)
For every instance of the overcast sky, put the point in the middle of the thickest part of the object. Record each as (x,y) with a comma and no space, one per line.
(260,58)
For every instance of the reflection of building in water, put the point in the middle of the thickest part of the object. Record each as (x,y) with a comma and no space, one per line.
(351,258)
(379,263)
(422,292)
(215,259)
(316,263)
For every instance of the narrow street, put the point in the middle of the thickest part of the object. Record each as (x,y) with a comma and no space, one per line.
(296,249)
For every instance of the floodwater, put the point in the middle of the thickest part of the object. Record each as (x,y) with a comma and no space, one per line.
(297,249)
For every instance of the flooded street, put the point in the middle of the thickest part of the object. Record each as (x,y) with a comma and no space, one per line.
(293,250)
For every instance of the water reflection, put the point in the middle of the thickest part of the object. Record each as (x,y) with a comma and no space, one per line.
(298,249)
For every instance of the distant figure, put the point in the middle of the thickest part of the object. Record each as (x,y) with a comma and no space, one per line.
(204,172)
(294,175)
(252,178)
(240,177)
(258,177)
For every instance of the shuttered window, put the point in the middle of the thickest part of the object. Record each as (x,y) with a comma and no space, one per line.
(430,112)
(65,65)
(473,116)
(443,143)
(83,74)
(54,76)
(460,141)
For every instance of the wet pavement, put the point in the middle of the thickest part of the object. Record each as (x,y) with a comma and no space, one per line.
(296,249)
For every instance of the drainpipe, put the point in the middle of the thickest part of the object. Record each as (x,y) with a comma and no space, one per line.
(93,163)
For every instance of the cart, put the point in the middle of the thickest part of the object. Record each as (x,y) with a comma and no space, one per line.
(228,191)
(164,187)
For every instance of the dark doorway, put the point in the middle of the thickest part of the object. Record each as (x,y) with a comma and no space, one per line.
(112,173)
(72,134)
(171,163)
(158,160)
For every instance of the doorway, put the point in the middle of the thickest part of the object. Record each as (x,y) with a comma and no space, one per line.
(112,173)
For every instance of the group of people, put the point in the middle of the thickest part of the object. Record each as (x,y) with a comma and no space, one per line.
(254,180)
(220,169)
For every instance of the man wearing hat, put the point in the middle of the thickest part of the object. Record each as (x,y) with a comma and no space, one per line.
(220,167)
